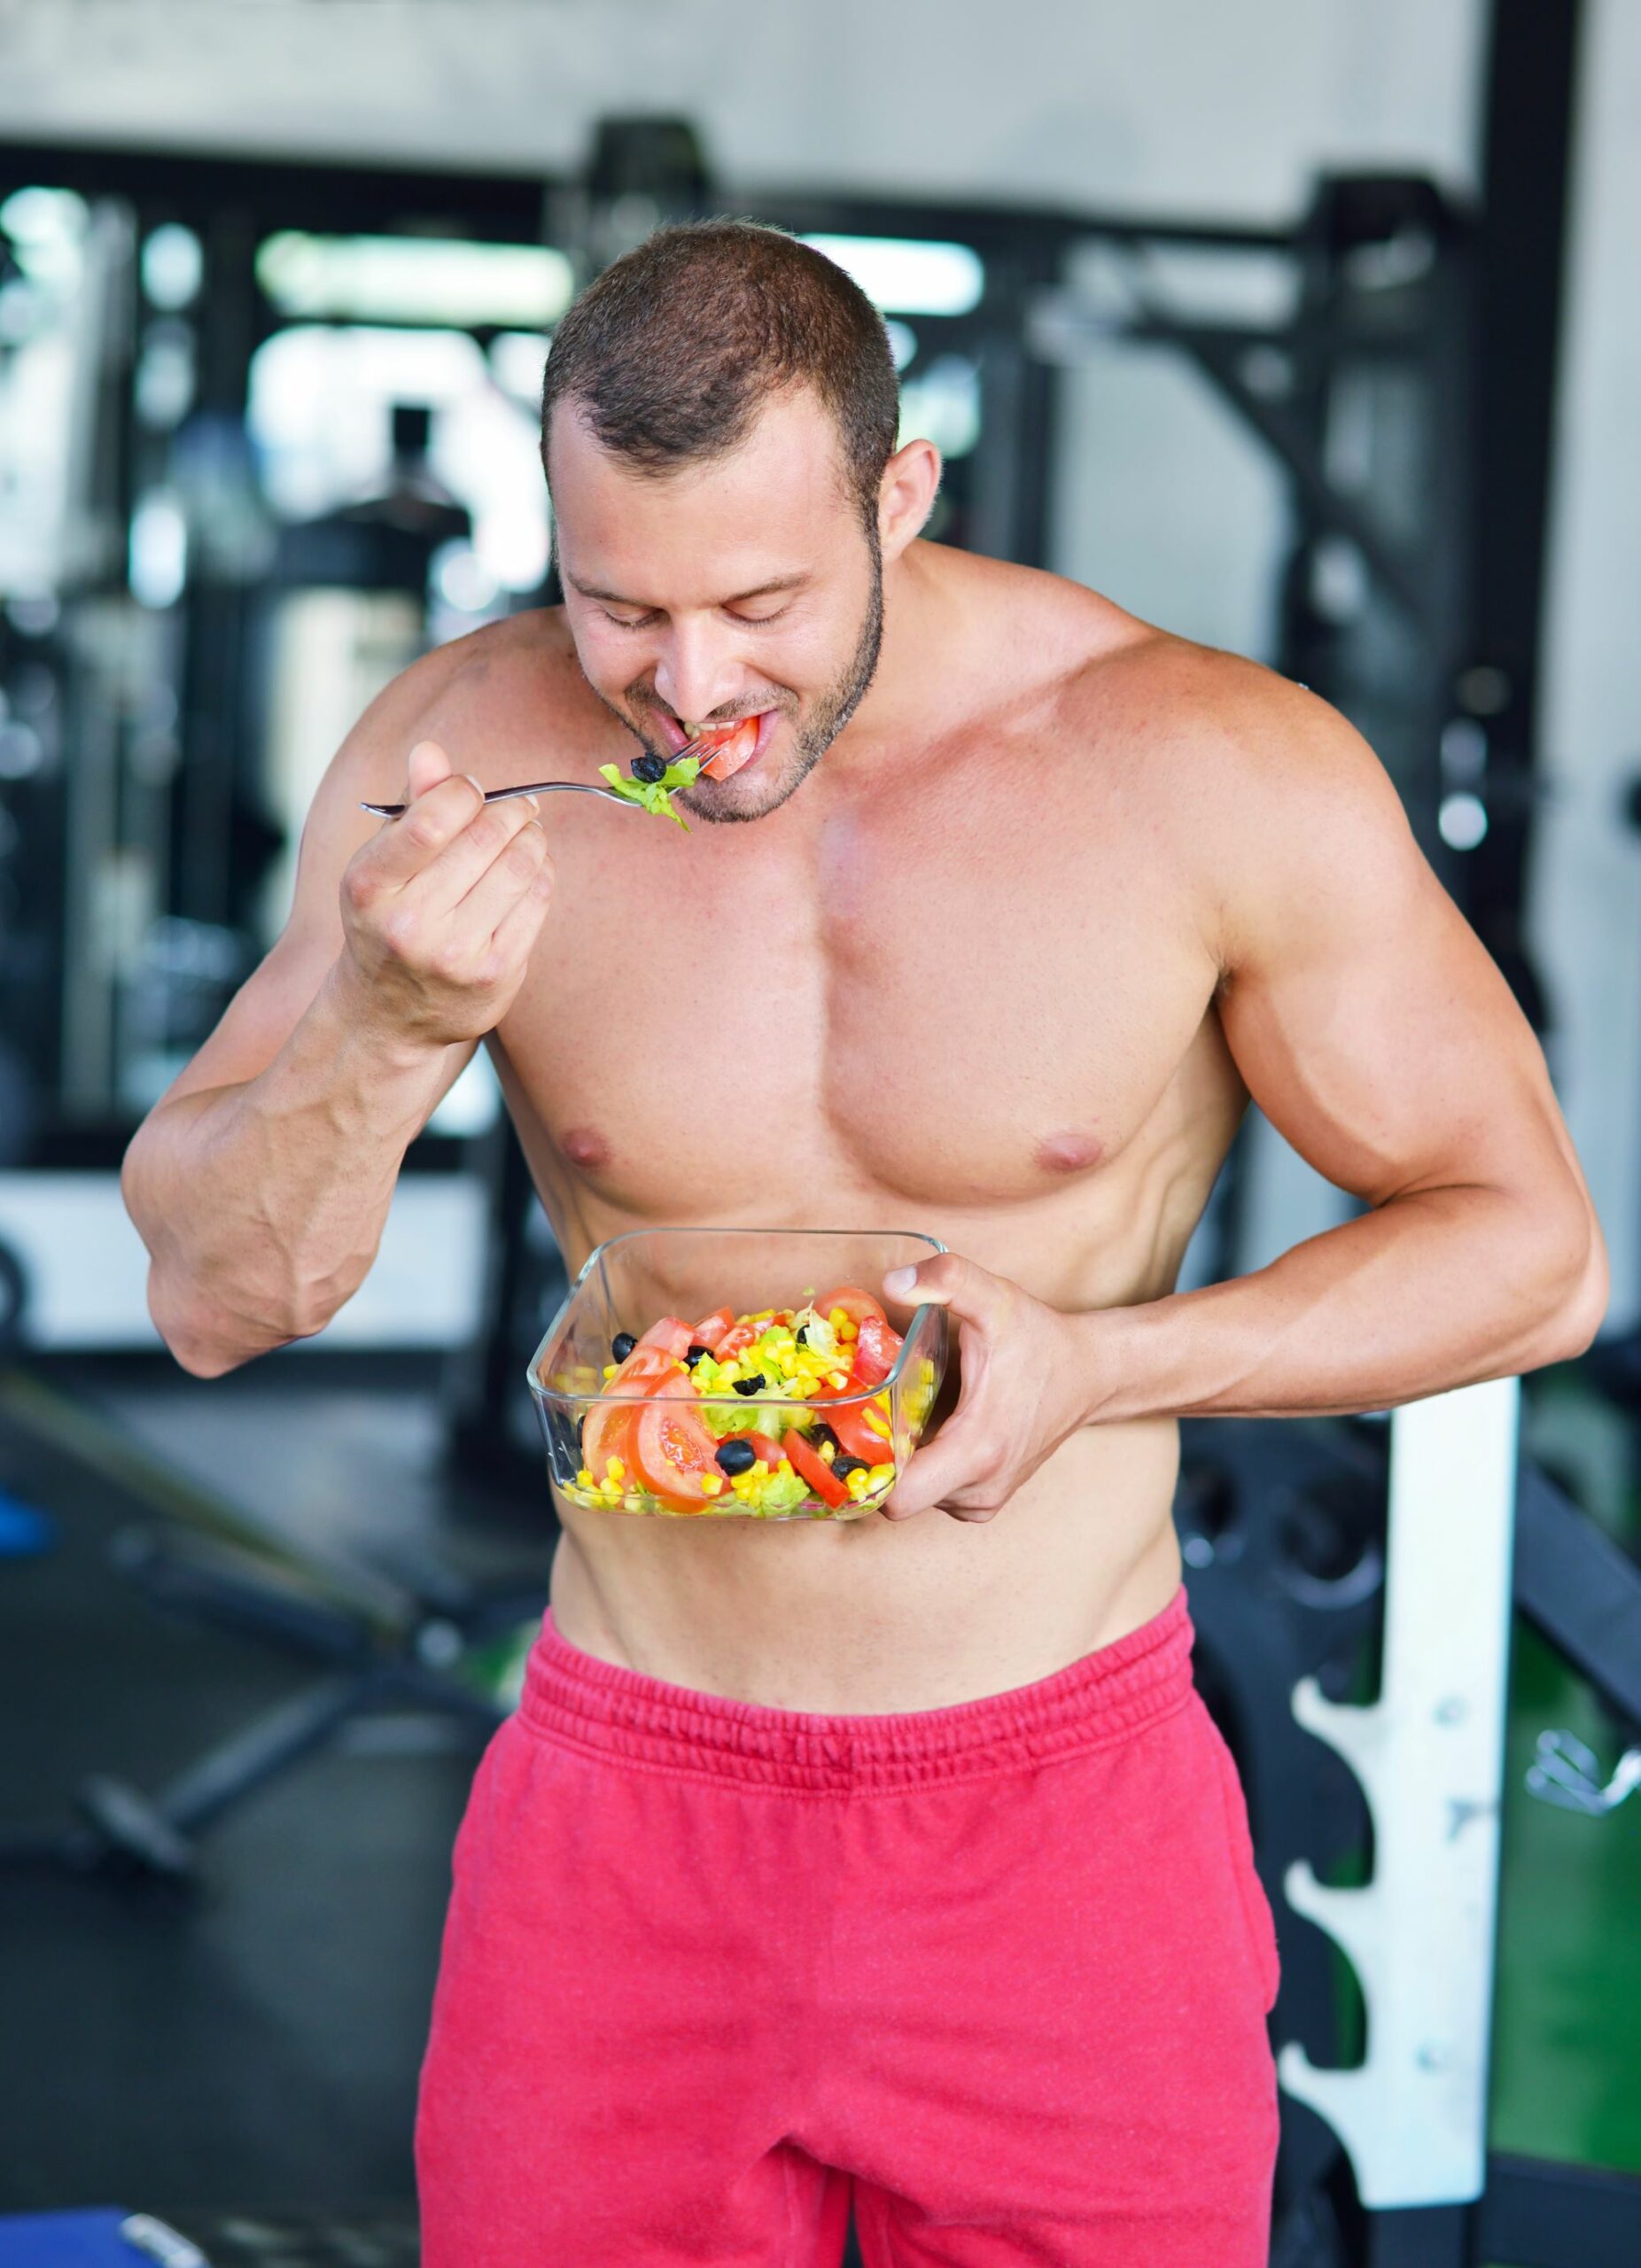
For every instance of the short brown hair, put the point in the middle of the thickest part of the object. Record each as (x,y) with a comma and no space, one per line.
(670,354)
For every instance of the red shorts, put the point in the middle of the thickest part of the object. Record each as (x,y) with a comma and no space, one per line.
(999,1973)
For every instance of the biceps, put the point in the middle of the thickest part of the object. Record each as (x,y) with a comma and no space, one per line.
(1380,1039)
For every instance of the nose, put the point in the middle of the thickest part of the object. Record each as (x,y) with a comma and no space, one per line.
(697,671)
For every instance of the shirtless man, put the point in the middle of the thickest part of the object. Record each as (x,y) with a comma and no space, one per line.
(895,1859)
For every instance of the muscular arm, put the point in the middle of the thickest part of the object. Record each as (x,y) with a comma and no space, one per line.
(261,1182)
(1378,1037)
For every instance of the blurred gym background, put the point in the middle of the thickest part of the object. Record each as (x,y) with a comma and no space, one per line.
(1308,328)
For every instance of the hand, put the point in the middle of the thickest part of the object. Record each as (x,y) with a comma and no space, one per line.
(442,906)
(1026,1384)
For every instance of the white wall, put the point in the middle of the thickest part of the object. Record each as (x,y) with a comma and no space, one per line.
(1586,907)
(1172,102)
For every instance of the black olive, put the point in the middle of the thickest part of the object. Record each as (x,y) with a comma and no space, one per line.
(622,1344)
(692,1356)
(735,1457)
(844,1464)
(649,769)
(803,1334)
(824,1433)
(754,1385)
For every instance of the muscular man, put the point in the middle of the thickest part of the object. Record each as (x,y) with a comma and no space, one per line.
(897,1859)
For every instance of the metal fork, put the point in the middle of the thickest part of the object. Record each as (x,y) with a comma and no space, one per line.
(552,787)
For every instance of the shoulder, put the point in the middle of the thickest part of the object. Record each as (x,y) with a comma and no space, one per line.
(503,691)
(1266,803)
(1277,811)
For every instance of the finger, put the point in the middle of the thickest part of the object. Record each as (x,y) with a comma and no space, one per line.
(515,932)
(406,845)
(491,839)
(943,1468)
(972,1293)
(428,765)
(503,881)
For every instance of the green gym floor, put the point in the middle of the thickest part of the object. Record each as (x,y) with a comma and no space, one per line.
(275,2040)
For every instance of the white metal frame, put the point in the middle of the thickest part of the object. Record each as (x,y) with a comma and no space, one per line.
(1429,1756)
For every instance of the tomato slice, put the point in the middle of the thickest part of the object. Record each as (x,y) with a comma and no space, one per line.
(761,1445)
(856,1304)
(814,1470)
(711,1330)
(737,1340)
(848,1421)
(734,745)
(672,1333)
(607,1431)
(673,1453)
(876,1349)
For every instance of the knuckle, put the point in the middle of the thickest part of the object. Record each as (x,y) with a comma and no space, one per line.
(422,828)
(449,963)
(398,933)
(359,888)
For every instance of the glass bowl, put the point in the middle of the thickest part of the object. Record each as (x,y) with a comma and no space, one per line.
(631,1281)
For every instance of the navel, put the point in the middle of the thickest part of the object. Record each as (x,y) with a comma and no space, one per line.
(585,1145)
(1068,1151)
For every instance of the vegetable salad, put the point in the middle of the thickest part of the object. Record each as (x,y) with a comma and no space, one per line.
(771,1415)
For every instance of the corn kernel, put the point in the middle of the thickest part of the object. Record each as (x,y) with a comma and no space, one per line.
(856,1483)
(615,1469)
(610,1369)
(878,1474)
(837,1378)
(760,1467)
(926,1371)
(828,1451)
(785,1465)
(711,1483)
(584,1478)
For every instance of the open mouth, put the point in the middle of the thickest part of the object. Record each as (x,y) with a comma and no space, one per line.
(728,748)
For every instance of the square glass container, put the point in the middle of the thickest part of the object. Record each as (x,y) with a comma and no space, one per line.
(631,1281)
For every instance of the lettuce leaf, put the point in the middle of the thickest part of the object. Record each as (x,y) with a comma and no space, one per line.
(655,795)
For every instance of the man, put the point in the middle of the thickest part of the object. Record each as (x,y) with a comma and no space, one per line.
(895,1859)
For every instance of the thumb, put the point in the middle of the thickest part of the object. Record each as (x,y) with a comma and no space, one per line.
(948,1280)
(428,765)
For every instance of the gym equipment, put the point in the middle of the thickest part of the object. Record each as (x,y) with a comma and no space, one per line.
(387,1641)
(1295,1568)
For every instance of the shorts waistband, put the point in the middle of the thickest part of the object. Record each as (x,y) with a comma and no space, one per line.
(594,1706)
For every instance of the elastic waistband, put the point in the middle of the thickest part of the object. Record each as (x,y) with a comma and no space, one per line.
(598,1706)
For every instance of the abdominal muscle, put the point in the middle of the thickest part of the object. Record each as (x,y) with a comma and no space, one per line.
(869,1616)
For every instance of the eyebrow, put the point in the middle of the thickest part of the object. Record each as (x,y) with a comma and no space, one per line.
(763,590)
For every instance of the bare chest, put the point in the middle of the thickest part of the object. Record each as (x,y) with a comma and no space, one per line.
(913,1008)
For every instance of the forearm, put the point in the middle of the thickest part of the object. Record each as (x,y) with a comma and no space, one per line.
(262,1204)
(1433,1289)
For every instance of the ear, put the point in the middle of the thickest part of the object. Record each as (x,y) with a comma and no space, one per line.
(906,495)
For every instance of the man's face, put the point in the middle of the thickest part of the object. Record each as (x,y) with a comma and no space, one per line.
(742,585)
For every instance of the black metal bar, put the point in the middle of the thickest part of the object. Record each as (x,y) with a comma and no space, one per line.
(301,190)
(1539,2213)
(1420,2236)
(1581,1590)
(1531,90)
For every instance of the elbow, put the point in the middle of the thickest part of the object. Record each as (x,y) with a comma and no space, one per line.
(202,1343)
(1576,1291)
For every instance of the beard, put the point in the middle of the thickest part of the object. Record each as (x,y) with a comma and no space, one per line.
(815,729)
